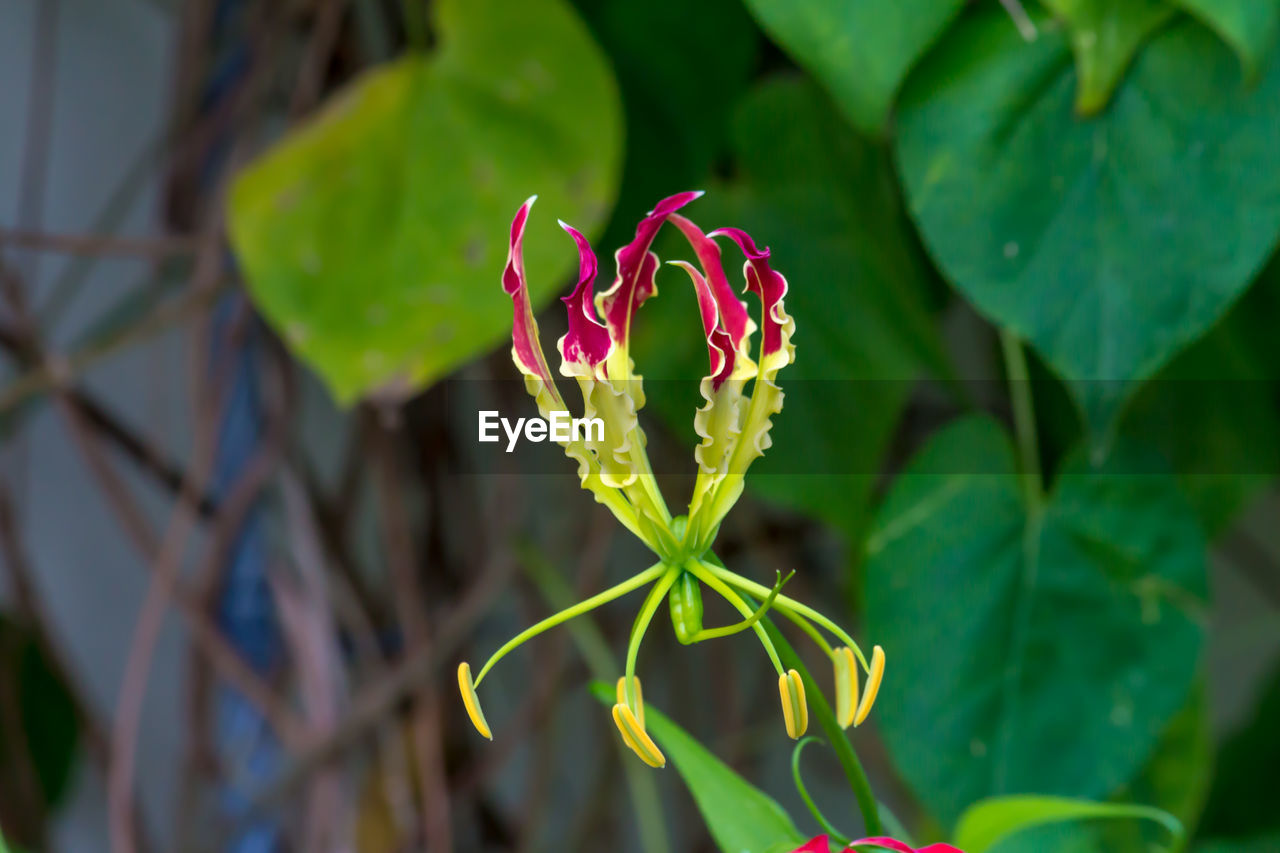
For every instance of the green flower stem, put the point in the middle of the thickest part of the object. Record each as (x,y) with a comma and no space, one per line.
(1024,418)
(805,625)
(784,604)
(699,570)
(641,781)
(643,618)
(578,609)
(827,827)
(739,627)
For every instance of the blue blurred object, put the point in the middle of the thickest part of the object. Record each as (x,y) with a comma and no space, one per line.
(246,613)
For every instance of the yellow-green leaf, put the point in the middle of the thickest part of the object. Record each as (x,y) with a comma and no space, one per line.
(373,237)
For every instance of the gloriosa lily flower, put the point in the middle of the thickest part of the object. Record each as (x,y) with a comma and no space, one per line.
(822,845)
(734,430)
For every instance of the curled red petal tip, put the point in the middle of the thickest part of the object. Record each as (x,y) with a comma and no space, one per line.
(720,350)
(587,341)
(525,347)
(637,267)
(762,280)
(733,312)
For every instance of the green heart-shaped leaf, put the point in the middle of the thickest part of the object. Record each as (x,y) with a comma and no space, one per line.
(1173,783)
(1105,35)
(1251,27)
(373,237)
(1211,411)
(859,49)
(1033,650)
(1108,243)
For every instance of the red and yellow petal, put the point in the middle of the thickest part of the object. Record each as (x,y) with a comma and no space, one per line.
(526,349)
(636,269)
(734,318)
(586,345)
(776,350)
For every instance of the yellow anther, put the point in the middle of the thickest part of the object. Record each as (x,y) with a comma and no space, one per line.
(795,711)
(634,736)
(846,685)
(638,710)
(874,675)
(469,698)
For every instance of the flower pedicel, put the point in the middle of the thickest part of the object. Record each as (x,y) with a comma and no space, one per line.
(733,426)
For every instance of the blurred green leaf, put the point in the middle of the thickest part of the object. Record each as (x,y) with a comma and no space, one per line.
(741,817)
(1105,35)
(824,200)
(1242,800)
(373,237)
(986,823)
(859,49)
(1261,844)
(1251,27)
(682,68)
(50,728)
(1030,653)
(1109,244)
(1174,780)
(1211,412)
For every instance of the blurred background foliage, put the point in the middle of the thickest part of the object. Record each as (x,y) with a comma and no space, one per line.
(1029,444)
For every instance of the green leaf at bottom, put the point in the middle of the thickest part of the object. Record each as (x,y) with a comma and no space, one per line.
(988,822)
(741,817)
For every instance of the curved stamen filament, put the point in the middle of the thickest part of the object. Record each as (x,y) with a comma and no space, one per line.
(783,604)
(756,616)
(699,570)
(565,615)
(643,618)
(805,625)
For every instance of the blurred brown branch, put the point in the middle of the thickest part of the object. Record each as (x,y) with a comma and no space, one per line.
(152,248)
